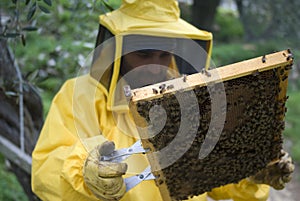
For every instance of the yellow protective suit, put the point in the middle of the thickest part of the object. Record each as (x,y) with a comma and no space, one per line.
(83,115)
(72,128)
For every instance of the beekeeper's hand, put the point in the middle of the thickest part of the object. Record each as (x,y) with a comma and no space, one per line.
(104,178)
(277,173)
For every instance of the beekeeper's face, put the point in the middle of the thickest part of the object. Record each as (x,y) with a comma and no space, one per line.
(145,67)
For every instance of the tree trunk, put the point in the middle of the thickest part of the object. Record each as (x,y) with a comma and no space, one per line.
(10,115)
(274,19)
(203,13)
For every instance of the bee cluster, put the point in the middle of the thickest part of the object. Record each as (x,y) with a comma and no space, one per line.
(250,134)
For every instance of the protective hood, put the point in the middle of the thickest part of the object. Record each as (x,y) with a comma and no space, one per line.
(155,19)
(151,17)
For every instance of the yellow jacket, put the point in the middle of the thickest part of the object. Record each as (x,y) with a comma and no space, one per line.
(78,120)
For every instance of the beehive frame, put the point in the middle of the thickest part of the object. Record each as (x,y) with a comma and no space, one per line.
(251,136)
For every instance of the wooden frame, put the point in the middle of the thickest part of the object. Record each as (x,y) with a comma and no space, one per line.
(247,135)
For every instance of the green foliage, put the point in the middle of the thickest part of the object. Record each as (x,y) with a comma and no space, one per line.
(227,53)
(114,3)
(64,38)
(224,54)
(228,27)
(20,16)
(270,19)
(10,189)
(293,123)
(55,42)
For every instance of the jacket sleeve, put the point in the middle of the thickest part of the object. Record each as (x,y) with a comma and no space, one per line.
(245,190)
(60,153)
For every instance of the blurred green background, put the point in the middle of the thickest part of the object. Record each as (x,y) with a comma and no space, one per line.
(65,36)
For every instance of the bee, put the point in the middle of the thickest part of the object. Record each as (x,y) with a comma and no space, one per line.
(169,87)
(281,71)
(288,67)
(184,78)
(278,90)
(162,86)
(255,73)
(284,77)
(204,71)
(285,98)
(154,91)
(289,57)
(264,59)
(162,90)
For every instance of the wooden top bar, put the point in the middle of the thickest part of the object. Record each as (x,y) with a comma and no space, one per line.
(219,74)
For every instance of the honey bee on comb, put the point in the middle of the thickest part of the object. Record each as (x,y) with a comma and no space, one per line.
(250,136)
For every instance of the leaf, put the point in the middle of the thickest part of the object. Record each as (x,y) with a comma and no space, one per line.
(33,75)
(12,35)
(48,2)
(31,11)
(29,28)
(11,93)
(23,40)
(44,9)
(107,5)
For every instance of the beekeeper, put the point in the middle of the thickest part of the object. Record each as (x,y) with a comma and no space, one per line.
(141,43)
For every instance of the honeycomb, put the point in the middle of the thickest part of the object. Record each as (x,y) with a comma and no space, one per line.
(250,136)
